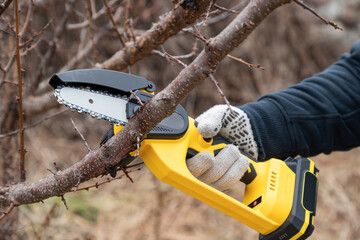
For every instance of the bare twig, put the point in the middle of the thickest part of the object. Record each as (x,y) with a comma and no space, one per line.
(137,98)
(207,13)
(9,82)
(10,208)
(53,173)
(34,124)
(33,38)
(246,63)
(81,136)
(95,16)
(216,83)
(129,25)
(301,3)
(91,31)
(175,58)
(196,33)
(19,97)
(13,56)
(120,36)
(51,50)
(167,26)
(126,174)
(221,16)
(226,9)
(108,180)
(64,201)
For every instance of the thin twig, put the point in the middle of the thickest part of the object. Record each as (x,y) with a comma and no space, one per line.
(226,9)
(301,3)
(53,173)
(176,58)
(36,35)
(95,16)
(19,98)
(197,34)
(108,180)
(127,174)
(221,92)
(208,13)
(246,63)
(9,82)
(91,31)
(120,36)
(10,208)
(137,98)
(22,32)
(34,124)
(64,201)
(221,16)
(82,136)
(129,25)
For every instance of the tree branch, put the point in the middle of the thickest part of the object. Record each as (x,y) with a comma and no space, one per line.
(167,26)
(160,106)
(4,5)
(331,23)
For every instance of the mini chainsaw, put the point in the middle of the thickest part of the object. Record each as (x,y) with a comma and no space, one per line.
(280,195)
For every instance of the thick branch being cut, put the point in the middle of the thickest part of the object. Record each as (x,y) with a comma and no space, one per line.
(161,105)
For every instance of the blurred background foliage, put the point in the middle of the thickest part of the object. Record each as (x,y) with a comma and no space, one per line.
(291,44)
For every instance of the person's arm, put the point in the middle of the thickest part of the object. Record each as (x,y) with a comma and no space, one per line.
(319,115)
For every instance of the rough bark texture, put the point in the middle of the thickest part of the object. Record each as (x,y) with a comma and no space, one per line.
(162,105)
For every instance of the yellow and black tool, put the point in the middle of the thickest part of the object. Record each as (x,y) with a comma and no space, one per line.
(280,196)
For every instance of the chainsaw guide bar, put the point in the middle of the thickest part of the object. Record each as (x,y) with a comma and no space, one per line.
(90,97)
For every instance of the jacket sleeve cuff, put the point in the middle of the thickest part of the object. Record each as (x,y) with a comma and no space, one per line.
(270,128)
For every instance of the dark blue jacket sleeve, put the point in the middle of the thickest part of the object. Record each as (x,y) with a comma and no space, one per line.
(319,115)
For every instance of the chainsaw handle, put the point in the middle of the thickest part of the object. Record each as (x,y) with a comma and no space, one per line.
(217,143)
(166,159)
(272,202)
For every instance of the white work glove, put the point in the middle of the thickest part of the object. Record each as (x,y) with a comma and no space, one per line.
(227,168)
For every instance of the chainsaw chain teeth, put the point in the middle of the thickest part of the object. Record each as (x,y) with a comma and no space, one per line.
(79,109)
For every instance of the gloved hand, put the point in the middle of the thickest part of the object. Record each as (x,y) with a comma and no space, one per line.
(236,129)
(226,169)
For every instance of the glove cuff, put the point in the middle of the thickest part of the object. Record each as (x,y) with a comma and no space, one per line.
(270,129)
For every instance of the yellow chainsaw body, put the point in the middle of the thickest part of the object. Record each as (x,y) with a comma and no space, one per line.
(268,199)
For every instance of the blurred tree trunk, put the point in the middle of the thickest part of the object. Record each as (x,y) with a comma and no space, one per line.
(8,146)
